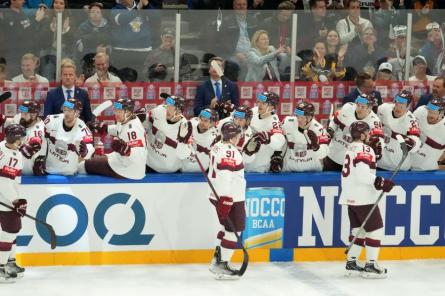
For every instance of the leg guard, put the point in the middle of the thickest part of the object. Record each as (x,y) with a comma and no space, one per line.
(372,242)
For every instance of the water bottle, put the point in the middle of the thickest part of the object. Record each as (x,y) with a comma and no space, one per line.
(394,89)
(107,144)
(95,93)
(99,145)
(286,91)
(151,92)
(313,94)
(340,91)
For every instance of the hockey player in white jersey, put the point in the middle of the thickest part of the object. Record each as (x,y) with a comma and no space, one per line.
(34,148)
(226,173)
(129,145)
(68,138)
(165,152)
(307,141)
(432,134)
(11,165)
(338,129)
(203,134)
(267,133)
(398,120)
(360,190)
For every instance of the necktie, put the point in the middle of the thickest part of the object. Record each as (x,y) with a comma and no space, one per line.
(68,94)
(217,91)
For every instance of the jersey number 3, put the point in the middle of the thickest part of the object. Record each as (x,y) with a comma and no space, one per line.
(346,168)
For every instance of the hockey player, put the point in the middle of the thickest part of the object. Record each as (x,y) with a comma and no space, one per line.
(339,130)
(432,134)
(165,153)
(11,164)
(203,135)
(129,145)
(398,120)
(32,150)
(267,133)
(360,190)
(307,141)
(69,140)
(226,172)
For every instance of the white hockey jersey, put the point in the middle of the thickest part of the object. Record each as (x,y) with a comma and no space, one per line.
(244,138)
(358,176)
(272,126)
(342,137)
(63,146)
(201,143)
(11,165)
(164,151)
(406,126)
(297,157)
(36,130)
(133,165)
(433,142)
(226,171)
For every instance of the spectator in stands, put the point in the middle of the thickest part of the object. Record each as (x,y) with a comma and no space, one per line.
(332,43)
(438,91)
(262,59)
(3,74)
(35,4)
(57,97)
(159,64)
(433,49)
(365,85)
(131,34)
(383,17)
(93,31)
(351,27)
(29,65)
(101,64)
(384,72)
(320,69)
(216,90)
(46,25)
(398,62)
(420,69)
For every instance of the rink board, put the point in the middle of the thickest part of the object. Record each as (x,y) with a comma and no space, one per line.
(168,219)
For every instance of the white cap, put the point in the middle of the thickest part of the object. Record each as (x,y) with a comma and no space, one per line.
(399,30)
(385,66)
(419,57)
(433,25)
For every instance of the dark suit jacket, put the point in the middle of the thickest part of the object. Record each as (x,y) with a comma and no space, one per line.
(354,94)
(424,99)
(55,99)
(205,94)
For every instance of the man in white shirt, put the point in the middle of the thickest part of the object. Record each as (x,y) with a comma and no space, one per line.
(351,27)
(29,65)
(102,63)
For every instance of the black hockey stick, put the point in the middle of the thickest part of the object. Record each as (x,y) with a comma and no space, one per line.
(52,234)
(362,227)
(243,268)
(4,96)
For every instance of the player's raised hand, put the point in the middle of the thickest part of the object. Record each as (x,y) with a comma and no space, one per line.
(313,143)
(262,137)
(20,206)
(184,132)
(382,184)
(32,147)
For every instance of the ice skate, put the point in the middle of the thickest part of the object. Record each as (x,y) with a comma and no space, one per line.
(373,271)
(353,268)
(216,258)
(12,266)
(7,275)
(223,271)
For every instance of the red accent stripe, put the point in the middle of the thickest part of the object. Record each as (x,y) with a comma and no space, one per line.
(229,244)
(359,241)
(168,141)
(220,235)
(433,144)
(230,167)
(51,138)
(414,131)
(291,145)
(7,173)
(4,246)
(368,162)
(339,123)
(202,149)
(372,242)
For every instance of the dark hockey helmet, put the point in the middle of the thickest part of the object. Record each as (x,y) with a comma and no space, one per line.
(125,104)
(14,132)
(177,101)
(73,104)
(229,130)
(436,104)
(357,128)
(209,114)
(29,106)
(305,109)
(268,97)
(404,97)
(243,112)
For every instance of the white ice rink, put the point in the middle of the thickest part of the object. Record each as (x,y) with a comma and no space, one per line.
(407,278)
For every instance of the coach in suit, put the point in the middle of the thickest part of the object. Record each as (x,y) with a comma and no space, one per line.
(216,90)
(365,84)
(56,97)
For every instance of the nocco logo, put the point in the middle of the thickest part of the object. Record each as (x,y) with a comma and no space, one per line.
(133,237)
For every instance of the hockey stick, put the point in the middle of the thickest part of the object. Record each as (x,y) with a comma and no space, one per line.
(101,108)
(4,96)
(52,234)
(243,268)
(362,227)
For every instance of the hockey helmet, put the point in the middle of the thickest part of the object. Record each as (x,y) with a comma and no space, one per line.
(364,99)
(177,101)
(73,104)
(125,104)
(29,106)
(404,97)
(268,97)
(230,130)
(436,104)
(305,109)
(243,112)
(357,128)
(209,114)
(14,132)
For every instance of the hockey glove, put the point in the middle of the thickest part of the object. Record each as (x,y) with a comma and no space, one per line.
(224,109)
(410,143)
(276,162)
(97,127)
(32,147)
(39,166)
(185,132)
(376,145)
(141,113)
(20,206)
(223,207)
(216,140)
(262,138)
(331,132)
(313,143)
(251,147)
(382,184)
(83,149)
(121,147)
